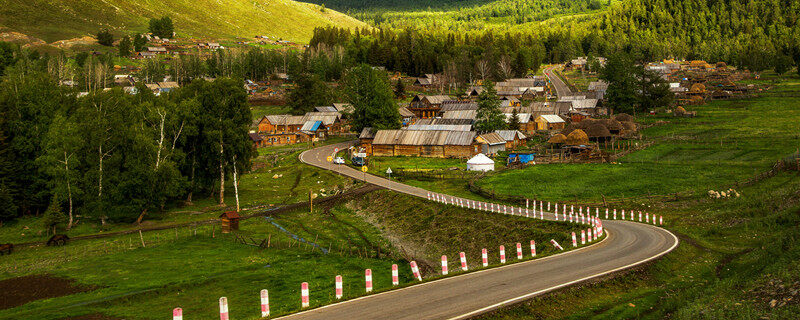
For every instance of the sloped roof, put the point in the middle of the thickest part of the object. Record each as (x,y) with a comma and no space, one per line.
(454,105)
(367,133)
(311,126)
(404,112)
(508,135)
(448,127)
(424,138)
(343,107)
(492,138)
(523,117)
(255,137)
(460,114)
(551,118)
(328,118)
(445,121)
(325,109)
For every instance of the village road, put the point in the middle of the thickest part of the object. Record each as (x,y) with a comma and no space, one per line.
(628,244)
(561,88)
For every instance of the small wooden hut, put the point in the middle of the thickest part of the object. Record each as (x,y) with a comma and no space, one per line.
(229,221)
(598,132)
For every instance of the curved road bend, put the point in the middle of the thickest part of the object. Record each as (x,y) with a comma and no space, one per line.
(628,244)
(561,88)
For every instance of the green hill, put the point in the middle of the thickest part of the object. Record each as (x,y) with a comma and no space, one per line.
(53,20)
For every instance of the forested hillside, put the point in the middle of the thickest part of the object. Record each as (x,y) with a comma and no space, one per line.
(64,19)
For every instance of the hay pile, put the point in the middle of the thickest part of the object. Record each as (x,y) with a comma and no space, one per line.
(622,117)
(577,137)
(612,125)
(558,139)
(598,132)
(679,111)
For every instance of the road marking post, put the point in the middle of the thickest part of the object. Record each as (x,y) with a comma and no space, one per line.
(484,258)
(338,289)
(395,275)
(519,251)
(415,271)
(623,214)
(264,303)
(444,265)
(463,257)
(661,220)
(502,254)
(177,314)
(647,217)
(615,214)
(223,308)
(640,216)
(533,248)
(304,300)
(548,205)
(368,279)
(583,237)
(555,244)
(574,240)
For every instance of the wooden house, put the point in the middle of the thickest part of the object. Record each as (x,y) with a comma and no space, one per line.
(316,130)
(491,143)
(513,138)
(256,139)
(424,106)
(407,116)
(525,121)
(549,122)
(229,221)
(365,139)
(439,144)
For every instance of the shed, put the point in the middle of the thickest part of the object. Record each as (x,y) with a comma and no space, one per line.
(549,122)
(480,162)
(577,137)
(229,221)
(492,143)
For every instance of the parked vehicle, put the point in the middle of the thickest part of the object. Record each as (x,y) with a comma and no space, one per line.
(338,160)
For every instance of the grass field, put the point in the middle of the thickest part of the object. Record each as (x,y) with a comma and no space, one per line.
(285,19)
(728,141)
(181,268)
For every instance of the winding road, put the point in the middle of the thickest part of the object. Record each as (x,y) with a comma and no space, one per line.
(628,244)
(561,88)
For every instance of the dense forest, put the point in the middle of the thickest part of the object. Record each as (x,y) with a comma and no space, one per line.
(758,35)
(111,155)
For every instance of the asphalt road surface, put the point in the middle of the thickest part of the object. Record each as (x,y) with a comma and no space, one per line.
(628,244)
(561,88)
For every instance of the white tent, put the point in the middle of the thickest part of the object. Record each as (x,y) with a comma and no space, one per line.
(480,162)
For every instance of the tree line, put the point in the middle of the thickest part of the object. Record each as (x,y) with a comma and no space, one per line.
(111,155)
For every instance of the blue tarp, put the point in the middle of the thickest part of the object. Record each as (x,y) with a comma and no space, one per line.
(521,157)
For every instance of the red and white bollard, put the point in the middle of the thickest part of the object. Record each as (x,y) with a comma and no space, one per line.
(395,275)
(484,258)
(415,271)
(606,213)
(444,265)
(264,303)
(368,279)
(304,300)
(556,212)
(589,235)
(338,287)
(640,216)
(548,205)
(502,254)
(661,220)
(463,257)
(533,248)
(555,244)
(623,214)
(177,314)
(223,308)
(519,251)
(615,214)
(647,217)
(574,240)
(583,237)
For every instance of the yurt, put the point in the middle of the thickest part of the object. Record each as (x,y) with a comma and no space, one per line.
(480,162)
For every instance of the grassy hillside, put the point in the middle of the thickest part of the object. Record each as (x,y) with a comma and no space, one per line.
(53,20)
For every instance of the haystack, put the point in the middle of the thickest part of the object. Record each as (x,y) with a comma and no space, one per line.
(628,126)
(558,139)
(585,123)
(623,117)
(698,88)
(598,132)
(721,65)
(612,125)
(568,129)
(679,111)
(577,137)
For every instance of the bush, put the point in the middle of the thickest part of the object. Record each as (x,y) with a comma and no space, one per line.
(104,37)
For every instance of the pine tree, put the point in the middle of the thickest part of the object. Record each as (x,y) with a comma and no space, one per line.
(489,118)
(399,88)
(513,122)
(53,216)
(125,46)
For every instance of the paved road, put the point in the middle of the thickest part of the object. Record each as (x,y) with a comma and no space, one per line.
(628,244)
(561,88)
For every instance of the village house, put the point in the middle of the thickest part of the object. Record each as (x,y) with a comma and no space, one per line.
(406,115)
(424,106)
(524,119)
(427,80)
(316,130)
(167,86)
(547,122)
(365,139)
(474,91)
(513,138)
(258,141)
(518,86)
(439,144)
(491,143)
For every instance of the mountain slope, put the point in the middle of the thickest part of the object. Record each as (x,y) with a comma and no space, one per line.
(53,20)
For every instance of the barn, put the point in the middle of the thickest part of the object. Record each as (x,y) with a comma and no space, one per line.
(430,143)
